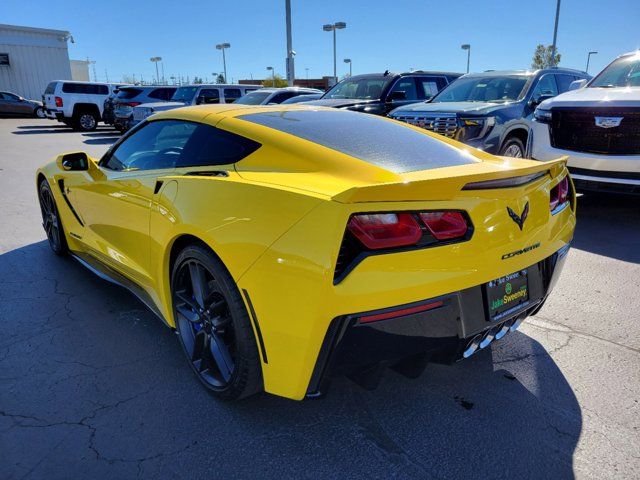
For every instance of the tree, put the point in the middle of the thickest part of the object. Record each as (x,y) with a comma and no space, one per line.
(543,57)
(220,78)
(276,81)
(198,81)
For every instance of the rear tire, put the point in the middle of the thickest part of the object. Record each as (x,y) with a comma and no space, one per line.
(213,325)
(85,121)
(51,221)
(39,113)
(512,147)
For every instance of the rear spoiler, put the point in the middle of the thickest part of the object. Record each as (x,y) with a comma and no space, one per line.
(447,183)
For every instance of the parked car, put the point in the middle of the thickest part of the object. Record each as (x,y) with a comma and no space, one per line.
(274,96)
(129,97)
(598,127)
(492,111)
(379,93)
(15,105)
(303,98)
(193,95)
(108,116)
(289,244)
(77,104)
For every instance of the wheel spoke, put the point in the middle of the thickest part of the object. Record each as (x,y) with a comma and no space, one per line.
(221,355)
(200,345)
(183,296)
(188,314)
(198,282)
(217,308)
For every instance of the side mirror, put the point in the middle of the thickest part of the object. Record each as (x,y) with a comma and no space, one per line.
(576,84)
(397,95)
(539,99)
(73,162)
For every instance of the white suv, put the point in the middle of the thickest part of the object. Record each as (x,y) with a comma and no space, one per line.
(598,127)
(76,104)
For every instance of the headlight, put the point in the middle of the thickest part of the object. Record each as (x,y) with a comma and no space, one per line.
(543,116)
(476,127)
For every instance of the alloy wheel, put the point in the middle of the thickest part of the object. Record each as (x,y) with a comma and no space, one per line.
(87,121)
(513,151)
(50,220)
(204,323)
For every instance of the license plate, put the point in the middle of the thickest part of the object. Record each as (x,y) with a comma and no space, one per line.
(507,295)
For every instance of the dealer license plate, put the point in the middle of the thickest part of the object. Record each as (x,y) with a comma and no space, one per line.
(507,295)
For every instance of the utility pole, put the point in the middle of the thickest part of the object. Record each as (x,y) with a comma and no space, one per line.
(156,60)
(290,53)
(223,47)
(555,35)
(163,80)
(106,75)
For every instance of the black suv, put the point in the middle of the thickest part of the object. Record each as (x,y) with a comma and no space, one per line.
(492,110)
(379,93)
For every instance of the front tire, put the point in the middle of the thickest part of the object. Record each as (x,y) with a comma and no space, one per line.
(39,113)
(213,325)
(85,121)
(51,220)
(512,147)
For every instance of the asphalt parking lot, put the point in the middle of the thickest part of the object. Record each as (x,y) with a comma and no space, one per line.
(92,385)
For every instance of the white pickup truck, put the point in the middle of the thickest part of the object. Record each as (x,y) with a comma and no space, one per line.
(597,127)
(77,104)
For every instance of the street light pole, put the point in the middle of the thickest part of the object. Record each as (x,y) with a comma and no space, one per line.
(589,58)
(273,75)
(223,47)
(467,47)
(156,60)
(290,53)
(332,28)
(555,35)
(348,60)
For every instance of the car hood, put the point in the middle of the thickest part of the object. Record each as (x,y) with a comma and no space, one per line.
(596,97)
(479,108)
(340,102)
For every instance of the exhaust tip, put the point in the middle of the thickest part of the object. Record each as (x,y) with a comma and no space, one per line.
(472,347)
(516,324)
(488,337)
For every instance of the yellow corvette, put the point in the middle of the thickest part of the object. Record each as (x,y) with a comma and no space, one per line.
(289,244)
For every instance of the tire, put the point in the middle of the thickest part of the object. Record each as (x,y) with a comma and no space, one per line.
(39,113)
(512,147)
(51,221)
(213,325)
(85,121)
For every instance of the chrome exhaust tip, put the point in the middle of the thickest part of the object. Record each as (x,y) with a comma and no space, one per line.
(516,324)
(472,347)
(488,337)
(503,330)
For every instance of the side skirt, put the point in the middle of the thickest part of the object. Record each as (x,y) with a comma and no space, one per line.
(110,275)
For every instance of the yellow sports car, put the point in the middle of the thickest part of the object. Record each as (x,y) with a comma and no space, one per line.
(288,244)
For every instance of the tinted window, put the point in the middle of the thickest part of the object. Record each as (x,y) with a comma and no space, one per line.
(362,88)
(211,146)
(564,81)
(231,95)
(162,93)
(282,96)
(51,88)
(493,88)
(546,86)
(85,88)
(408,86)
(209,95)
(156,145)
(184,94)
(254,98)
(11,97)
(429,86)
(128,93)
(373,139)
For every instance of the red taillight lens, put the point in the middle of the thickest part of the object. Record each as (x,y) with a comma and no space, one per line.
(131,104)
(385,230)
(58,102)
(445,225)
(401,312)
(559,194)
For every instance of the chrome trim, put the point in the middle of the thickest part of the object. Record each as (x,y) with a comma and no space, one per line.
(623,181)
(442,123)
(560,208)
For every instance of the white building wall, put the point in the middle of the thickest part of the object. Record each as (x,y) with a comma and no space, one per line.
(80,70)
(37,56)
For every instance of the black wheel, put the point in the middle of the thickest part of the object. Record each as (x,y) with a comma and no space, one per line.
(85,121)
(213,325)
(39,112)
(512,147)
(51,220)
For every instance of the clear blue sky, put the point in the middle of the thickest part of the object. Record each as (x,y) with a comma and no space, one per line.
(397,35)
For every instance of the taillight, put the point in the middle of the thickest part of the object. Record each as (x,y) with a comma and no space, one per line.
(385,230)
(58,102)
(445,225)
(559,194)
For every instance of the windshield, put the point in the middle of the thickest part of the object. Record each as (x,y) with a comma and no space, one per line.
(623,72)
(492,89)
(184,94)
(362,89)
(253,98)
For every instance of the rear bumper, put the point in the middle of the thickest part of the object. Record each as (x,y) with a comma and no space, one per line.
(54,114)
(122,123)
(458,327)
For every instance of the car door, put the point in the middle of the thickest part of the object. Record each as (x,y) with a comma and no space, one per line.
(428,86)
(115,206)
(404,92)
(14,105)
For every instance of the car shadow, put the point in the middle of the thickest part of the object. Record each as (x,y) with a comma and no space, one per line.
(105,140)
(80,351)
(597,214)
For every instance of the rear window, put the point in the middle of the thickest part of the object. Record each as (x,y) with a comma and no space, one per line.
(51,88)
(85,88)
(128,93)
(162,93)
(383,143)
(231,95)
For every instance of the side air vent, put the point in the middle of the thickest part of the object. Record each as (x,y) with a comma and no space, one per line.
(208,173)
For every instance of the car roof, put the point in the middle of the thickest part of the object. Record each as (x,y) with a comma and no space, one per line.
(221,85)
(395,74)
(528,73)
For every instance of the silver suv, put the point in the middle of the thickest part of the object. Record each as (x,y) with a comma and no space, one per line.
(130,97)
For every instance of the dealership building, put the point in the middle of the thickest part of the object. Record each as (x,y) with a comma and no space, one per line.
(32,57)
